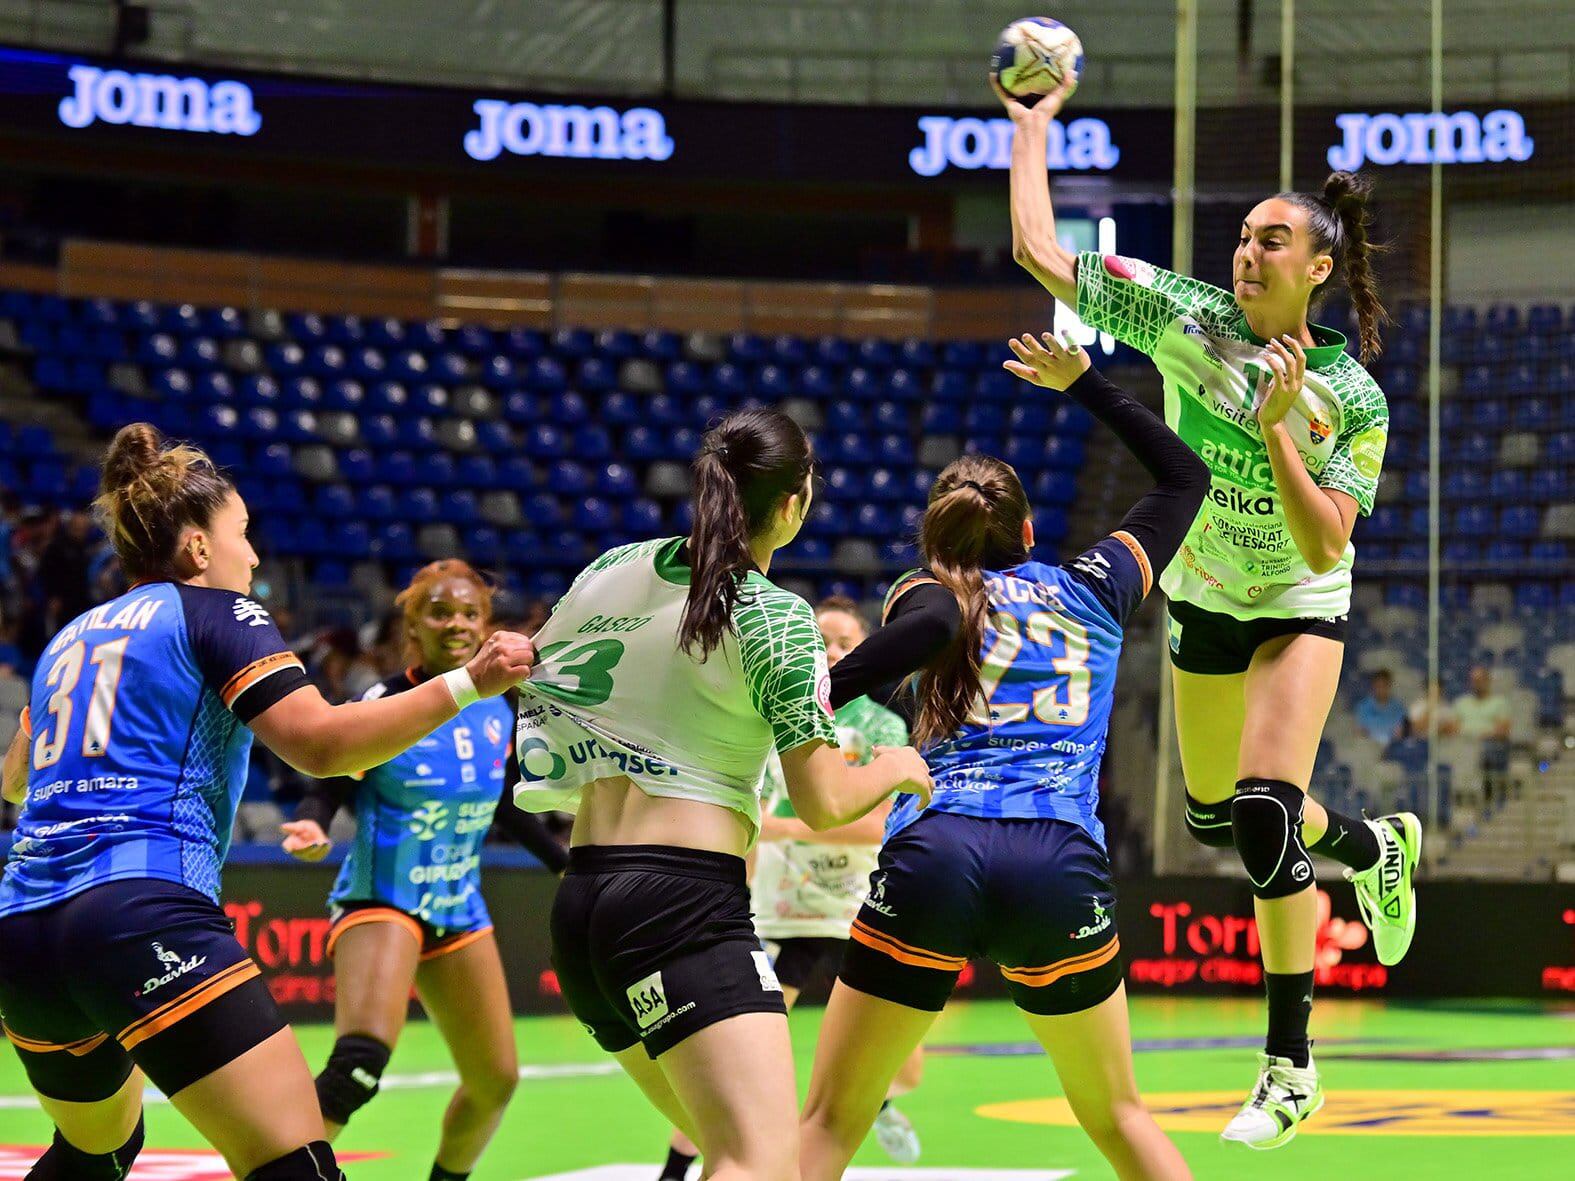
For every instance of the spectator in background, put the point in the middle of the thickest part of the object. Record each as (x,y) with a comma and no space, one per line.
(63,572)
(1484,715)
(1433,705)
(1381,717)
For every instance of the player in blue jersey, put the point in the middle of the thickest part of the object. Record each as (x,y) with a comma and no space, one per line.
(116,962)
(407,906)
(1012,666)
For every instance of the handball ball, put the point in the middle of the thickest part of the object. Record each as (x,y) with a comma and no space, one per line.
(1034,54)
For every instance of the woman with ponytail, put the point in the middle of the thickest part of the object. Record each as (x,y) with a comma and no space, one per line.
(117,965)
(1011,664)
(1293,430)
(668,674)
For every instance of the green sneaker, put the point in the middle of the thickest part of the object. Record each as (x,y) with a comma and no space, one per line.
(1385,893)
(1283,1098)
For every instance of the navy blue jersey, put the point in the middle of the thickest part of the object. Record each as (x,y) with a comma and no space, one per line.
(138,741)
(421,817)
(1032,747)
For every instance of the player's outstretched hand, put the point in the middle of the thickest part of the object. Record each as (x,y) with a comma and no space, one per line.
(1287,360)
(914,770)
(1041,112)
(1047,362)
(305,840)
(505,659)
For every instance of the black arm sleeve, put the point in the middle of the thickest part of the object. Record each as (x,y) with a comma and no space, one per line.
(1160,519)
(323,799)
(921,623)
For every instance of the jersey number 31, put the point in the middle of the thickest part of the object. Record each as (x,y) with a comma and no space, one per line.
(50,742)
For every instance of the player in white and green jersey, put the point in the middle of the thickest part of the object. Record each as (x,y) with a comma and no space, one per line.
(806,887)
(1293,431)
(666,677)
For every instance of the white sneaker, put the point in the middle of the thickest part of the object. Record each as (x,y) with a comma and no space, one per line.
(895,1135)
(1284,1097)
(1385,893)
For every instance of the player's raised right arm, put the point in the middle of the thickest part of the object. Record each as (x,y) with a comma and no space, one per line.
(319,739)
(1034,244)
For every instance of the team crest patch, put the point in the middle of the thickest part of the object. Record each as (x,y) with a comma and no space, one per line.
(494,731)
(1318,429)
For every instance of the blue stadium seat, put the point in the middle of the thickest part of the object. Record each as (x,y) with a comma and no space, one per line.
(518,474)
(775,381)
(591,443)
(941,418)
(199,352)
(827,520)
(523,344)
(1532,414)
(329,361)
(334,502)
(730,380)
(573,343)
(1054,488)
(596,375)
(406,364)
(617,482)
(661,346)
(1548,485)
(875,521)
(820,381)
(495,437)
(845,484)
(477,472)
(377,503)
(832,352)
(497,373)
(885,485)
(1465,484)
(569,479)
(1522,521)
(459,507)
(962,354)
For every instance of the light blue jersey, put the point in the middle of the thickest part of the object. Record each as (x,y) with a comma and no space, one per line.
(421,818)
(1033,746)
(138,744)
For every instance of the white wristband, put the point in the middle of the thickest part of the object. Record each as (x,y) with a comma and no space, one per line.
(461,687)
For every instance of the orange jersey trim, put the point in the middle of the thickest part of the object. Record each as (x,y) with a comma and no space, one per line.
(1140,554)
(258,670)
(33,1046)
(187,1003)
(458,943)
(906,953)
(1050,973)
(376,914)
(899,591)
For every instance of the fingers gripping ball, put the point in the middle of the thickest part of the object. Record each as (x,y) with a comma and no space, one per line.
(1034,55)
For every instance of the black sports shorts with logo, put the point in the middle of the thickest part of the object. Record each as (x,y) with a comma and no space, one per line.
(803,960)
(137,971)
(1035,896)
(1214,644)
(653,943)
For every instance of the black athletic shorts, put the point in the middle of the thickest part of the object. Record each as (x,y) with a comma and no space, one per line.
(1035,896)
(434,942)
(653,943)
(136,971)
(804,959)
(1214,644)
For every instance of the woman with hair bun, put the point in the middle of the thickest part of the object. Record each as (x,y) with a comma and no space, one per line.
(116,962)
(1293,431)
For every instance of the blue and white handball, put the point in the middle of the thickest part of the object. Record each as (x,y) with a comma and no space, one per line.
(1034,54)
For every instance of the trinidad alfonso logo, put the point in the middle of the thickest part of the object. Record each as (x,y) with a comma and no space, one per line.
(174,968)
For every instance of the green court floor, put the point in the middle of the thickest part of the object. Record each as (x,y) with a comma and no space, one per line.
(1417,1093)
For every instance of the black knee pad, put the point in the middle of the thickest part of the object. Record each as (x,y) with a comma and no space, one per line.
(66,1162)
(310,1162)
(1266,825)
(351,1077)
(1209,824)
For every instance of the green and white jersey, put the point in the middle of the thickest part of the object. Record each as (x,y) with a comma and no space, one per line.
(1239,557)
(801,889)
(613,694)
